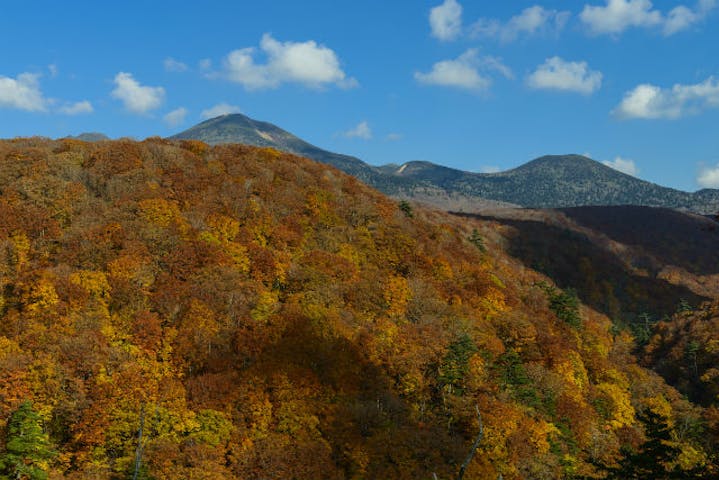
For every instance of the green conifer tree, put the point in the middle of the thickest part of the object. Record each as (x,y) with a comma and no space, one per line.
(27,447)
(655,456)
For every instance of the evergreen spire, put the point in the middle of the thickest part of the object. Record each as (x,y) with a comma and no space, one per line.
(27,448)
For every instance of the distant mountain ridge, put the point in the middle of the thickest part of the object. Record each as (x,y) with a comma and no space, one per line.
(553,181)
(90,137)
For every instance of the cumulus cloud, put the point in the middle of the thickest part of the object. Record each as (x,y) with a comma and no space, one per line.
(305,63)
(220,109)
(648,101)
(22,93)
(446,20)
(135,97)
(464,72)
(617,16)
(172,65)
(531,21)
(362,130)
(681,18)
(623,165)
(558,74)
(489,169)
(76,108)
(709,177)
(175,117)
(459,73)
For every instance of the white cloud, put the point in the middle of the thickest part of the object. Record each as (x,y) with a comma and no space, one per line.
(617,16)
(446,20)
(464,72)
(530,21)
(646,101)
(205,64)
(394,137)
(175,117)
(22,93)
(220,109)
(52,68)
(709,177)
(137,98)
(77,108)
(306,63)
(558,74)
(460,73)
(680,18)
(172,65)
(623,165)
(651,102)
(489,169)
(362,130)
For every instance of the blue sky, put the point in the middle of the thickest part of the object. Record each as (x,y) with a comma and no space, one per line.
(477,85)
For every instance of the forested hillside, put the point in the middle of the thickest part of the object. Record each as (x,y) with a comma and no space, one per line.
(177,311)
(634,264)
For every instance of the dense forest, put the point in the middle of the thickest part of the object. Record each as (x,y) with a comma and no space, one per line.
(170,310)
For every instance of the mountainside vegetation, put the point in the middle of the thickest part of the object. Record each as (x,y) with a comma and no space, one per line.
(630,263)
(171,310)
(553,181)
(685,350)
(655,272)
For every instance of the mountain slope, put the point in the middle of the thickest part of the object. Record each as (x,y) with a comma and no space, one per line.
(653,271)
(557,181)
(548,182)
(260,315)
(625,261)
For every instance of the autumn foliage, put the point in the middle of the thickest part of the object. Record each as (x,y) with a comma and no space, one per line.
(259,315)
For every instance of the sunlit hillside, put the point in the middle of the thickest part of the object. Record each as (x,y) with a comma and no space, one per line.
(171,310)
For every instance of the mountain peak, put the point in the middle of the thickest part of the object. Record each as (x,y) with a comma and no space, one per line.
(571,159)
(550,181)
(239,128)
(229,118)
